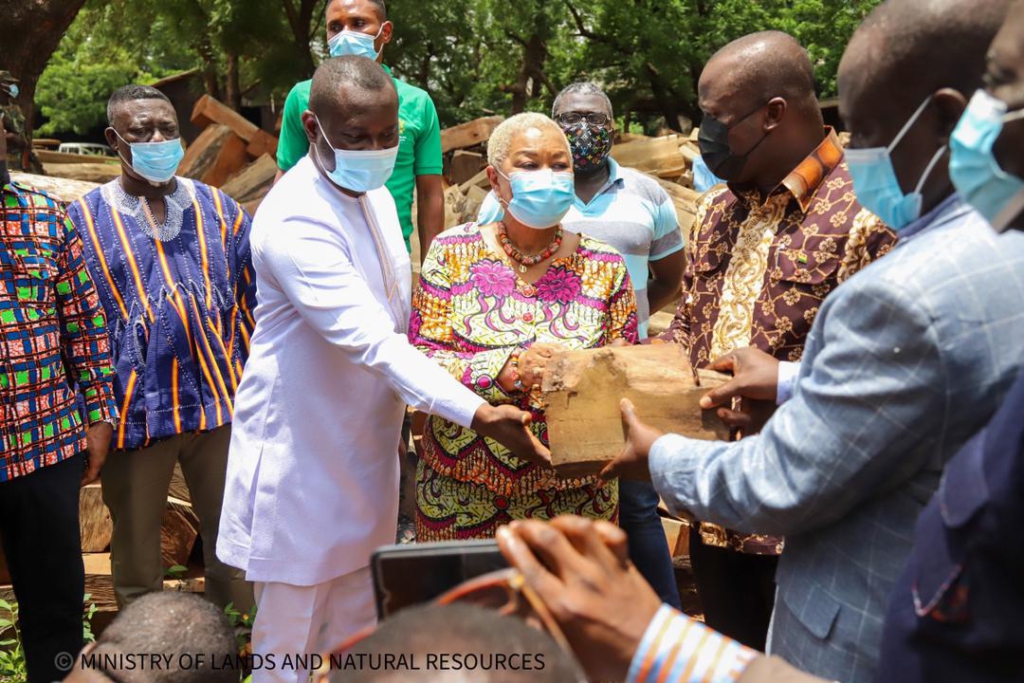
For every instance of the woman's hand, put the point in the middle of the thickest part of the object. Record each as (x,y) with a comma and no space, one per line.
(534,362)
(510,427)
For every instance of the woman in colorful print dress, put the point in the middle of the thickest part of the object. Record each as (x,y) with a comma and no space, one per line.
(494,302)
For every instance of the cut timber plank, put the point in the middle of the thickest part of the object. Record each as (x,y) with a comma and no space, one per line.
(582,391)
(208,111)
(685,201)
(658,156)
(469,134)
(479,180)
(677,534)
(94,520)
(63,190)
(216,155)
(253,182)
(454,206)
(51,157)
(178,532)
(179,487)
(465,166)
(92,173)
(262,143)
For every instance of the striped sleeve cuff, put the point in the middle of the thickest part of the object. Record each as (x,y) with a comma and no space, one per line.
(677,649)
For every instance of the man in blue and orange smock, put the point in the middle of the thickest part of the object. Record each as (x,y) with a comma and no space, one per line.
(170,258)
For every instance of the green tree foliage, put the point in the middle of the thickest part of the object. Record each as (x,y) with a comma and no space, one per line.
(475,57)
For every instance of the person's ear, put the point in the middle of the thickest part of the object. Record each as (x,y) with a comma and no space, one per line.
(495,179)
(310,126)
(775,112)
(950,105)
(385,33)
(492,177)
(112,139)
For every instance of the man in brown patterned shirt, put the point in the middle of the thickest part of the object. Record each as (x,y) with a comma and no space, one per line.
(763,253)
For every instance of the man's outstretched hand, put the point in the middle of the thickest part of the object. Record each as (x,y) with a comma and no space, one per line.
(581,570)
(510,427)
(632,461)
(755,380)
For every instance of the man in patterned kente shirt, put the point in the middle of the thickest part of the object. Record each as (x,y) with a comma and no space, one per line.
(170,258)
(763,253)
(56,409)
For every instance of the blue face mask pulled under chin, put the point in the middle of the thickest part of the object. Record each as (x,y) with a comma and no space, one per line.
(155,161)
(354,43)
(876,185)
(994,193)
(358,170)
(540,199)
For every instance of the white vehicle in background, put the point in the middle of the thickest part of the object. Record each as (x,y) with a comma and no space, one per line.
(86,149)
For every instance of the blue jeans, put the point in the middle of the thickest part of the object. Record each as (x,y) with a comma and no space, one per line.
(648,548)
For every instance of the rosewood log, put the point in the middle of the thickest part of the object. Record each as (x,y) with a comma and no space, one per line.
(582,391)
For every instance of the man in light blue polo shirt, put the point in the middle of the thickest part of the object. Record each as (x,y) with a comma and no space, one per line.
(633,213)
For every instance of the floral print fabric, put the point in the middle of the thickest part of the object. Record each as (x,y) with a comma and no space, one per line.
(471,311)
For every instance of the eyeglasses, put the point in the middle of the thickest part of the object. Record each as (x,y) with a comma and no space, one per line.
(572,118)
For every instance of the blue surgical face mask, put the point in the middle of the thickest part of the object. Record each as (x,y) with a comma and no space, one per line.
(354,43)
(155,161)
(994,193)
(13,90)
(540,199)
(358,170)
(875,182)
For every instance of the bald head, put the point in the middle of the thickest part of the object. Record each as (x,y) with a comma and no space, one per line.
(761,89)
(353,105)
(908,49)
(761,66)
(349,81)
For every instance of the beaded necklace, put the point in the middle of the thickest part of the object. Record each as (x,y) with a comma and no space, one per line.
(522,259)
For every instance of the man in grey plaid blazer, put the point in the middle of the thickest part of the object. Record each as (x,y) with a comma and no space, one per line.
(905,361)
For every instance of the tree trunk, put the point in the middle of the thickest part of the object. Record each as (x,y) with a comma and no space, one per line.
(232,88)
(32,31)
(535,53)
(300,22)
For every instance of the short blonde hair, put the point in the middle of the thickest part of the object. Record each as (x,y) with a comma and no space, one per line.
(500,143)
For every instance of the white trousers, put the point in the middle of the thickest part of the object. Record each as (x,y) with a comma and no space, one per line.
(304,620)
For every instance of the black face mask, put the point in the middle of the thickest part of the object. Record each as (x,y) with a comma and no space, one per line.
(713,140)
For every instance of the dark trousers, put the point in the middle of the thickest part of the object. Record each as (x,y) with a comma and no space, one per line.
(648,548)
(737,591)
(42,542)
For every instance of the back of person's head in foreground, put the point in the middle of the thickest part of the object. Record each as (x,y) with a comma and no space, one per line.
(179,634)
(458,643)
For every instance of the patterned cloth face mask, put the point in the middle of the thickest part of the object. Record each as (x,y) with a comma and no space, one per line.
(590,145)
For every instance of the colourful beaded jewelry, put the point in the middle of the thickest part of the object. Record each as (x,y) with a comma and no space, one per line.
(519,257)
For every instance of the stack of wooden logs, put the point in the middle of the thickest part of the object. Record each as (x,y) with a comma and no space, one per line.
(231,153)
(668,159)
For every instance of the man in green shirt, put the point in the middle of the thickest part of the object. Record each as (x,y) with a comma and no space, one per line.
(361,27)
